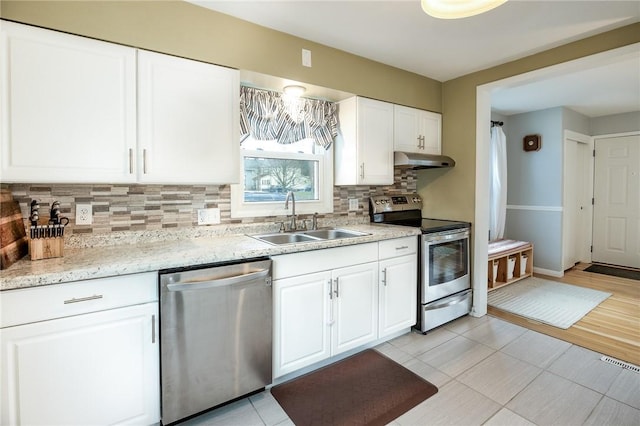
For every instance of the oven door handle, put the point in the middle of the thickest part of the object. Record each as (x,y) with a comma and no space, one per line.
(449,237)
(447,303)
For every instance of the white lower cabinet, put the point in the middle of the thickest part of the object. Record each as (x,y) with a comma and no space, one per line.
(398,294)
(94,368)
(323,314)
(355,307)
(327,302)
(301,321)
(398,285)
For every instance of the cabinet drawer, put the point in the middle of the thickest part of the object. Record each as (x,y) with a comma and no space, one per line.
(62,300)
(398,247)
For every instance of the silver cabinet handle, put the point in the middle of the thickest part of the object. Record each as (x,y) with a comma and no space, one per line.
(130,160)
(201,285)
(153,328)
(402,248)
(331,321)
(337,287)
(384,277)
(362,170)
(144,161)
(83,299)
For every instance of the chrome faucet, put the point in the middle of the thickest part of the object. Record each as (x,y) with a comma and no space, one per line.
(292,226)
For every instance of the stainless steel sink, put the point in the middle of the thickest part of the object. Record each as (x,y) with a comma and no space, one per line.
(332,234)
(307,236)
(286,238)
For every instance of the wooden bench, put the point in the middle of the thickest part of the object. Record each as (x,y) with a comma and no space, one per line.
(500,253)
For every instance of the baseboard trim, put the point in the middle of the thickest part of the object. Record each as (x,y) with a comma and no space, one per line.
(549,272)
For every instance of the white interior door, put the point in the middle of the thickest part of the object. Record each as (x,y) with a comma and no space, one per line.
(577,193)
(616,217)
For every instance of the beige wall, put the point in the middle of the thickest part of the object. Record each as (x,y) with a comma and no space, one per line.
(451,194)
(183,29)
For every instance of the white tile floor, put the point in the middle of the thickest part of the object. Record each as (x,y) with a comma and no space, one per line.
(489,372)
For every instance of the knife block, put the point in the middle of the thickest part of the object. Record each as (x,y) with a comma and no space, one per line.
(46,248)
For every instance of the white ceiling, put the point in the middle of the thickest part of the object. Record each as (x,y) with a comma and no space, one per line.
(398,33)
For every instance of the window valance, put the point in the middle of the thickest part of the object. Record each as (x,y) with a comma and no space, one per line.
(268,115)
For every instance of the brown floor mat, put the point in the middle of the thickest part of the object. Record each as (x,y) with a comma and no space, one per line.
(365,389)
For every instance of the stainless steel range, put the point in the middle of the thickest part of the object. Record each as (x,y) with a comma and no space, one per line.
(444,287)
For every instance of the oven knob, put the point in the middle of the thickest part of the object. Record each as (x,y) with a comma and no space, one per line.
(377,202)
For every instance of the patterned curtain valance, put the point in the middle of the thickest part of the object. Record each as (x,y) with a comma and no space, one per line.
(268,115)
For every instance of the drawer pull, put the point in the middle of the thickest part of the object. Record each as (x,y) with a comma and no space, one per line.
(402,248)
(83,299)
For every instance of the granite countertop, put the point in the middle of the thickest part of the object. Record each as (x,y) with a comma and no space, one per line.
(137,253)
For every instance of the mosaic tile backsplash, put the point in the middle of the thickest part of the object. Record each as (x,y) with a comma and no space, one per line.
(152,207)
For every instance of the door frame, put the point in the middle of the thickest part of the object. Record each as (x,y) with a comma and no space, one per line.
(584,250)
(483,139)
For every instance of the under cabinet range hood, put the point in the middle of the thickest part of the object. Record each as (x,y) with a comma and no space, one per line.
(410,160)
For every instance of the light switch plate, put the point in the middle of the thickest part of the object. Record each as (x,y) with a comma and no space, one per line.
(209,216)
(353,204)
(84,214)
(306,58)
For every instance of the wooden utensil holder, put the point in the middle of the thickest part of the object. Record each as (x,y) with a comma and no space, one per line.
(46,248)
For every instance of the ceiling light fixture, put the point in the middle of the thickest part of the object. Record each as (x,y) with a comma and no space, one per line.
(454,9)
(294,90)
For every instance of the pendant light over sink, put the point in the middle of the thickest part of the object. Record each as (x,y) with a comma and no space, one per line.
(455,9)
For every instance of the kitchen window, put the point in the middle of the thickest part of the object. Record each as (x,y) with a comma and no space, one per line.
(286,146)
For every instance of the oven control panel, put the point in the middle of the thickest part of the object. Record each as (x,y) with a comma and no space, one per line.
(392,203)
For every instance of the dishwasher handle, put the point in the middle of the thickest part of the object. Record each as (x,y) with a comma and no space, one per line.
(221,282)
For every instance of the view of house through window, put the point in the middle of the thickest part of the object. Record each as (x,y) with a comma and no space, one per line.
(271,170)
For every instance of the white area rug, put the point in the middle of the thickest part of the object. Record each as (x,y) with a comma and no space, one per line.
(550,302)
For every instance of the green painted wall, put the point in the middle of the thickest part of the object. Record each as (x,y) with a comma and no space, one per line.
(190,31)
(451,193)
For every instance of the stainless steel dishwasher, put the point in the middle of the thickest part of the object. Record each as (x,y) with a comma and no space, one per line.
(215,335)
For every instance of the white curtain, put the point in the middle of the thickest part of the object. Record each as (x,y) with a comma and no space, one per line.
(498,185)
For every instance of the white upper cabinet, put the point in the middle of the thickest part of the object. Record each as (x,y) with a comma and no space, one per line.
(364,147)
(188,121)
(79,110)
(68,107)
(416,130)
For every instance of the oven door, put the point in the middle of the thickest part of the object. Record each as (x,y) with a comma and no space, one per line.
(445,264)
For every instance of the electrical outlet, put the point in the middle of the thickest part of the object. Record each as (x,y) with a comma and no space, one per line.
(209,216)
(84,214)
(353,204)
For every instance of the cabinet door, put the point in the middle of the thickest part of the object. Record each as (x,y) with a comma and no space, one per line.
(355,298)
(416,130)
(99,368)
(300,321)
(375,142)
(188,121)
(406,129)
(431,131)
(398,294)
(68,107)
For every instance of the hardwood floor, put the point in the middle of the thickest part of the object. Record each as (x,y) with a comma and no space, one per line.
(612,328)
